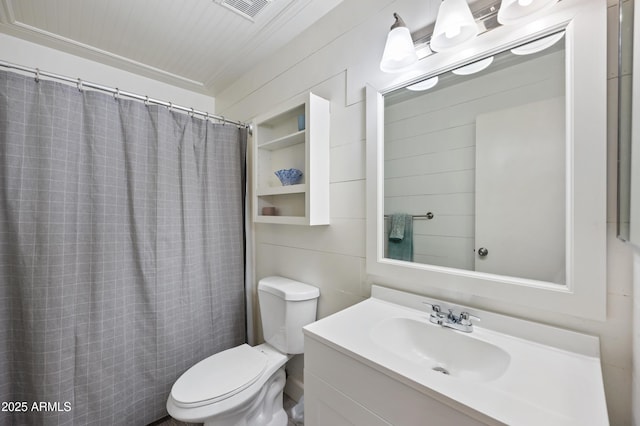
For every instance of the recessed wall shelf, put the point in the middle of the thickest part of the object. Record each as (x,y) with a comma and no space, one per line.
(293,136)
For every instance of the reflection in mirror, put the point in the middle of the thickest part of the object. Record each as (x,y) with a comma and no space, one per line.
(475,166)
(625,77)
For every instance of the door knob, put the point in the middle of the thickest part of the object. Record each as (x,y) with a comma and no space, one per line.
(482,252)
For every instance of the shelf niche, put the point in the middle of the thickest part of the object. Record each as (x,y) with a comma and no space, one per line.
(296,135)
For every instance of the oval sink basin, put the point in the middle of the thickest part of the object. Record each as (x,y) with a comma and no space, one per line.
(442,350)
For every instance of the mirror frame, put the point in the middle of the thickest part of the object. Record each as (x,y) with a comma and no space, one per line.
(584,295)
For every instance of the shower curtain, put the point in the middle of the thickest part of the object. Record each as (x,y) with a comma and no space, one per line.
(121,252)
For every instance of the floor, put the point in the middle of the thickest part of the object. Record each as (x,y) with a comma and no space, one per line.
(288,404)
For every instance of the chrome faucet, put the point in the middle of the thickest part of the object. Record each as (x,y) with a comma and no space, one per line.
(461,322)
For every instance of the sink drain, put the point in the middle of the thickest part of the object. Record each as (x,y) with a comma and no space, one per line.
(441,370)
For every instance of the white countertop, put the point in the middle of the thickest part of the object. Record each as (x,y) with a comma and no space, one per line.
(554,376)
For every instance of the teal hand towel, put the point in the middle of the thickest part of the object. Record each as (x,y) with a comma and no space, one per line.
(401,237)
(396,228)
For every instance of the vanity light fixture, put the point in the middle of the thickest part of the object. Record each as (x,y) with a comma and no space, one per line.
(399,52)
(455,25)
(424,85)
(474,67)
(517,11)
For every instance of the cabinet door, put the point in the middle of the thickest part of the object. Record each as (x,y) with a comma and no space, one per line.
(324,406)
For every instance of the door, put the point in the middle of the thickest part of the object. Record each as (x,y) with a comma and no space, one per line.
(520,216)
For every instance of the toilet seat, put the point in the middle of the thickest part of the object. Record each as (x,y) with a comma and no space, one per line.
(219,377)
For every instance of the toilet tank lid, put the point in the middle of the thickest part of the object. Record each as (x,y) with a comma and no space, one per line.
(288,289)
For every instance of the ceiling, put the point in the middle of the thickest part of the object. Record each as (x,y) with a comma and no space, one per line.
(199,45)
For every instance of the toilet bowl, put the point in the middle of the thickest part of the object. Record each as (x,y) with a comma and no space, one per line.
(243,386)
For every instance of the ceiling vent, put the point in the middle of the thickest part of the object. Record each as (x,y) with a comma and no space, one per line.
(245,8)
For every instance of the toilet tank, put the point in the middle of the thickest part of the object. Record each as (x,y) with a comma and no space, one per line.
(285,307)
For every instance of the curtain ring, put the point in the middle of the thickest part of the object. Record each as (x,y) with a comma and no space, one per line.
(206,117)
(37,75)
(146,101)
(79,84)
(170,106)
(191,113)
(116,95)
(224,120)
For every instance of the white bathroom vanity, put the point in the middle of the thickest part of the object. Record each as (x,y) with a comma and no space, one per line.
(383,362)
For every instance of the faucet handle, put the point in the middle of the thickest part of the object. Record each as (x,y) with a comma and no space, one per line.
(436,316)
(435,308)
(466,317)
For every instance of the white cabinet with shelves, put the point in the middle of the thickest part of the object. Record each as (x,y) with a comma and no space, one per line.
(296,136)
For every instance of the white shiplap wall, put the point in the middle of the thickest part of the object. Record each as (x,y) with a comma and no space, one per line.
(334,59)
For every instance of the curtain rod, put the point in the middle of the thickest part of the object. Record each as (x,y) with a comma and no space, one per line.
(121,93)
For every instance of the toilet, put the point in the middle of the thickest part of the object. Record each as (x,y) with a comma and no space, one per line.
(243,386)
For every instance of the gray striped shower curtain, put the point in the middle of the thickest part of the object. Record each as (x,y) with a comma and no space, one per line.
(121,252)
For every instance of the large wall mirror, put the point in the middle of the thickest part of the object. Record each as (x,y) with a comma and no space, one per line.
(475,166)
(489,175)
